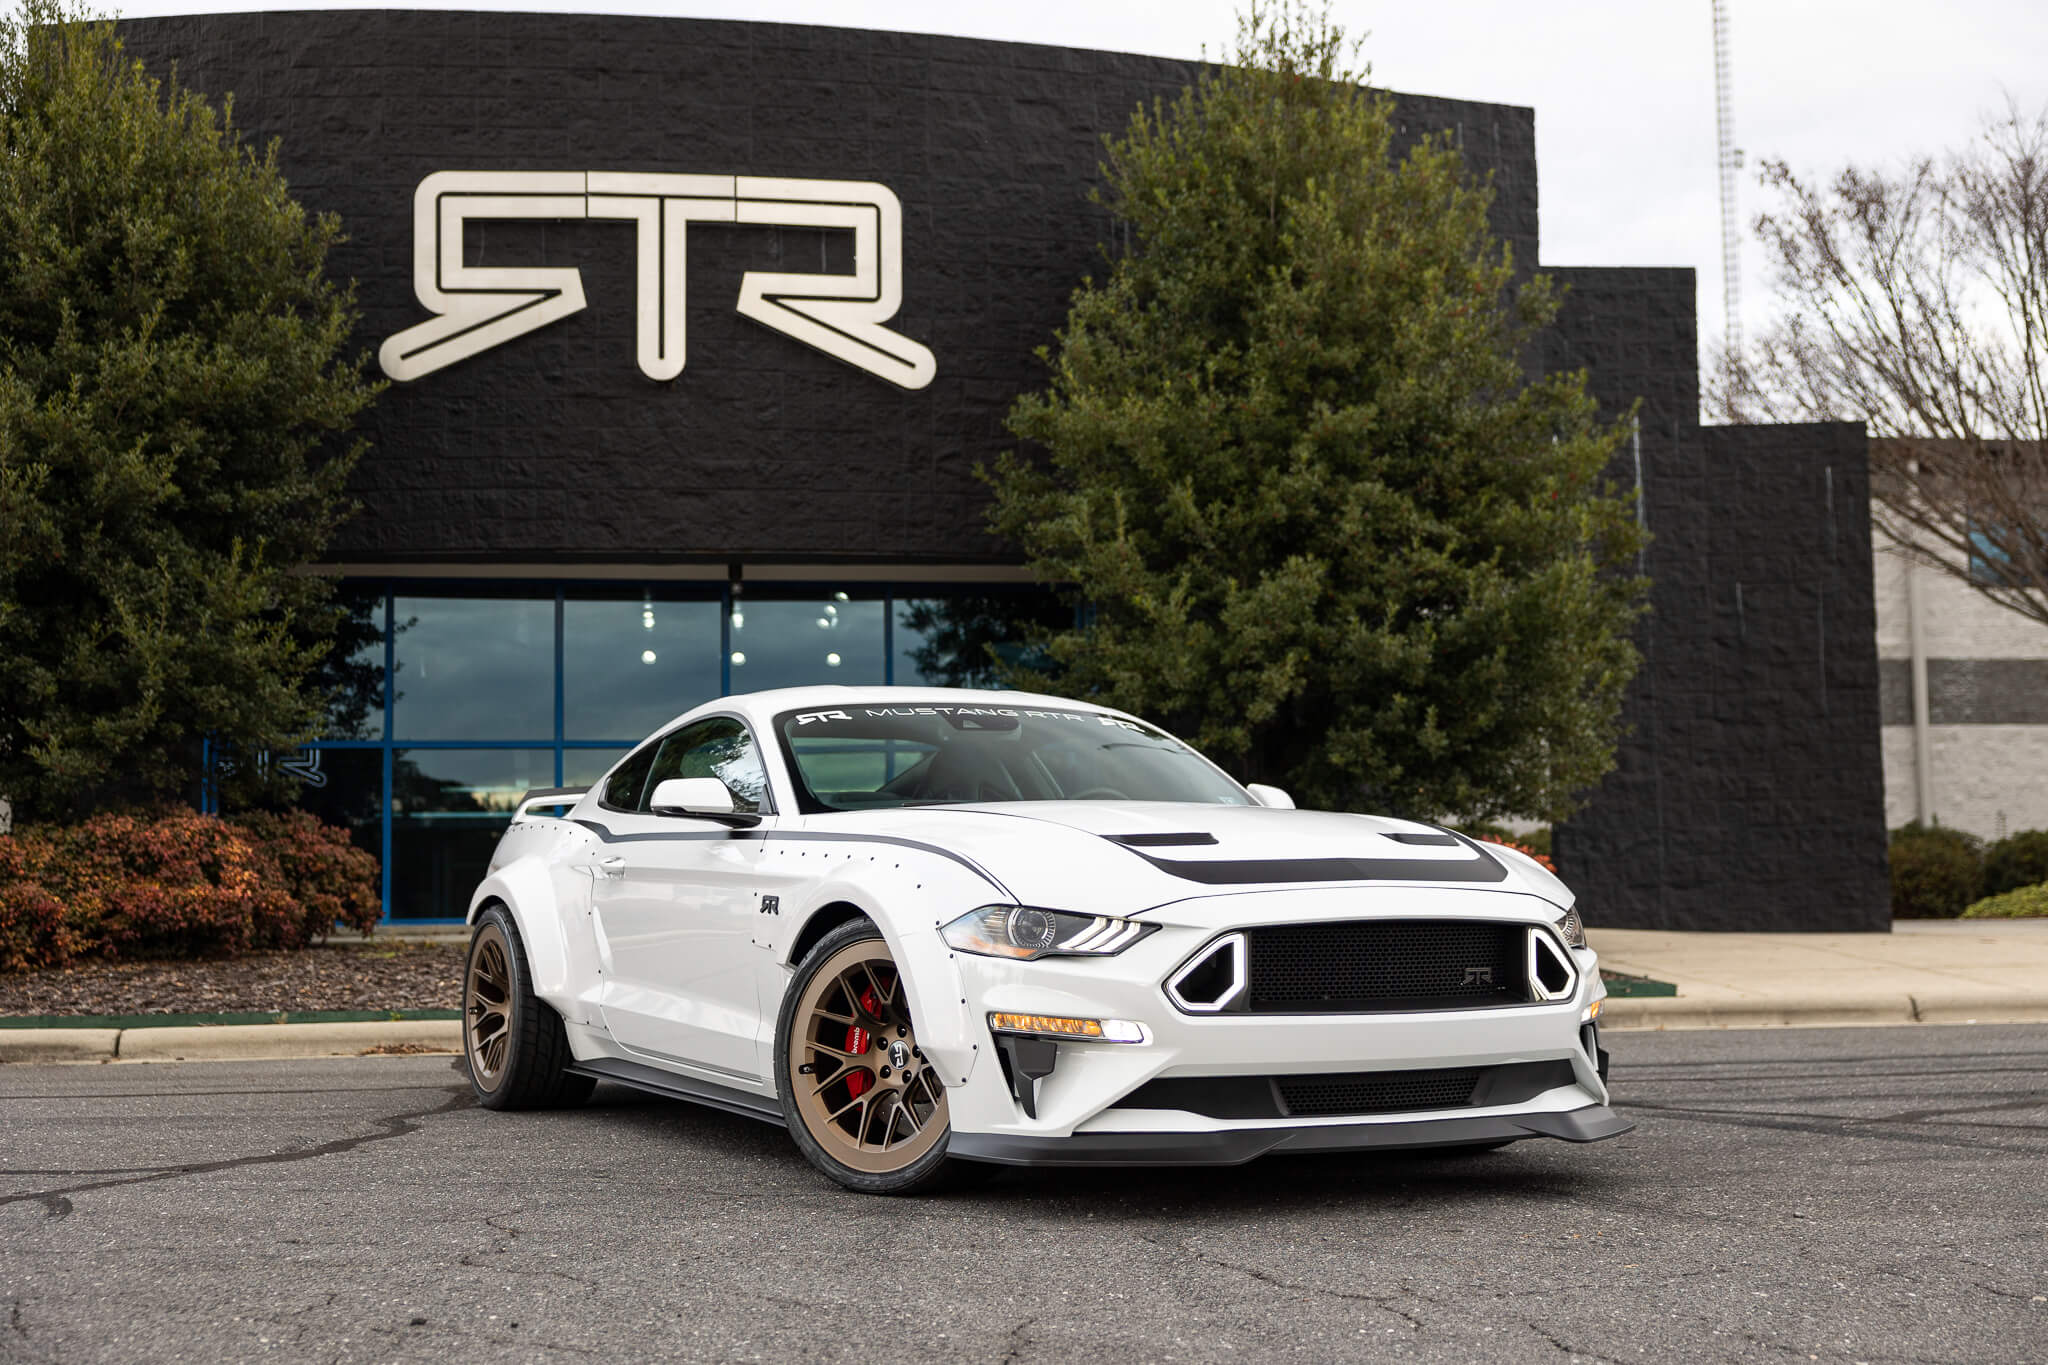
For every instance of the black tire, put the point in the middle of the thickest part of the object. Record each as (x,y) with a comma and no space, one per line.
(513,1044)
(927,1171)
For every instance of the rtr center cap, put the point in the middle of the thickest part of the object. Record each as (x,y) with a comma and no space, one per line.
(899,1054)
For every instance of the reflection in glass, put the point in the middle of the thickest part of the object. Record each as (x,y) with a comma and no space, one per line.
(448,807)
(475,668)
(957,640)
(584,767)
(352,674)
(631,666)
(720,748)
(799,644)
(345,787)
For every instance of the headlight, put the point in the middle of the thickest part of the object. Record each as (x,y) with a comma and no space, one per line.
(1026,932)
(1572,928)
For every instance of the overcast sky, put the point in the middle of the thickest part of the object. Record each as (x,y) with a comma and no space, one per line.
(1623,90)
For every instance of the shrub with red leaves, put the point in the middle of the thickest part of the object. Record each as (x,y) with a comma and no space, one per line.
(178,884)
(324,879)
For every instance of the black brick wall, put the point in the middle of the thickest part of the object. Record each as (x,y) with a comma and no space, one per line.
(554,446)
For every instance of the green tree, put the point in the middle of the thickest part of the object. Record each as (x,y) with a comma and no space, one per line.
(1330,527)
(173,389)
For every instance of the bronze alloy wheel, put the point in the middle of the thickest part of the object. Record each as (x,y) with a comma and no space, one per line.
(487,1007)
(862,1089)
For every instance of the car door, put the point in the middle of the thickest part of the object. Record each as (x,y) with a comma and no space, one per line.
(675,903)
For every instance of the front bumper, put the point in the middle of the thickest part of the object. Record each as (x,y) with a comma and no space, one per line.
(1081,1111)
(1233,1147)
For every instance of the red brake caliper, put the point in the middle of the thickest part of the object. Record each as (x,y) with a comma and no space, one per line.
(857,1044)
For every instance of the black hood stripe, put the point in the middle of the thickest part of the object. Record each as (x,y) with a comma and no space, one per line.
(1481,867)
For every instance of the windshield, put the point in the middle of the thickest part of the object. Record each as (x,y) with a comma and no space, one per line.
(870,757)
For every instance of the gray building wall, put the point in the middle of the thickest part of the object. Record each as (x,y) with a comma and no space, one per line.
(1986,751)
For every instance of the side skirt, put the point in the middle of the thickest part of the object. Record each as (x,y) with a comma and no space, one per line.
(669,1084)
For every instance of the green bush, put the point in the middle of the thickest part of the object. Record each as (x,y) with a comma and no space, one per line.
(1936,871)
(177,884)
(2019,859)
(2028,902)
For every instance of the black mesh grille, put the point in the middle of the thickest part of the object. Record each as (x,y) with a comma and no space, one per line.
(1364,966)
(1378,1092)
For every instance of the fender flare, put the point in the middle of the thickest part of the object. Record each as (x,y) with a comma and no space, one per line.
(932,985)
(524,888)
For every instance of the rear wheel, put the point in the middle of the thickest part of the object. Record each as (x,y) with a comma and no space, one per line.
(514,1042)
(861,1100)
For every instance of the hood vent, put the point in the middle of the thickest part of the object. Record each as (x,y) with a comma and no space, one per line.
(1415,836)
(1189,840)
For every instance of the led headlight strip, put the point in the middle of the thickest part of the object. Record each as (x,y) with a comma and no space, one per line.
(1025,932)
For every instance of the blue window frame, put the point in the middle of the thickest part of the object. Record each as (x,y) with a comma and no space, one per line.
(486,686)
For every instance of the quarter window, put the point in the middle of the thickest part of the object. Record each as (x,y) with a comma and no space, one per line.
(628,782)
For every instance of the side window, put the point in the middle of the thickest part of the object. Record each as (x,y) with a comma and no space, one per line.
(628,782)
(720,747)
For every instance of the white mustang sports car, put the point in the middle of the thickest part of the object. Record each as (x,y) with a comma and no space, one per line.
(922,926)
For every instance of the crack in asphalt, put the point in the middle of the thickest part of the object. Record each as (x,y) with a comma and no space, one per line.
(1383,1302)
(1558,1344)
(1017,1340)
(57,1205)
(469,1259)
(1830,1126)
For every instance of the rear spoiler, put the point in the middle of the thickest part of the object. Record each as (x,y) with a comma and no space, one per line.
(546,796)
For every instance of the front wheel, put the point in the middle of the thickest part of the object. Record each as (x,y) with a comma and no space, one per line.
(514,1042)
(861,1100)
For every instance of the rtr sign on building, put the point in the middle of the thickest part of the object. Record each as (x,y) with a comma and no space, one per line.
(698,331)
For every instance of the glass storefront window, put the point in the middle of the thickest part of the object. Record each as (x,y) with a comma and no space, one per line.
(946,641)
(352,675)
(448,807)
(474,667)
(344,787)
(583,767)
(828,639)
(480,663)
(631,665)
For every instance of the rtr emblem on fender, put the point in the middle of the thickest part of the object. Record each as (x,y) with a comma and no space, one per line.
(771,905)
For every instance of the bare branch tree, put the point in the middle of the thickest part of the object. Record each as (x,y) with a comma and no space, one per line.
(1916,301)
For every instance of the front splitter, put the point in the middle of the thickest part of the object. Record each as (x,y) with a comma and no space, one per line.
(1235,1146)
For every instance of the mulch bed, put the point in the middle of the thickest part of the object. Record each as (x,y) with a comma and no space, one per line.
(376,976)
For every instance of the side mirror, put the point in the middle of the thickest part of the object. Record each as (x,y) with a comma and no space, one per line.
(1265,796)
(702,798)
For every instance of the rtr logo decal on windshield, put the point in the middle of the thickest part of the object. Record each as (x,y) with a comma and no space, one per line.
(477,307)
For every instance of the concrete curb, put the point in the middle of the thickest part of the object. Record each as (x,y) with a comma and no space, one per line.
(1889,1009)
(259,1042)
(228,1042)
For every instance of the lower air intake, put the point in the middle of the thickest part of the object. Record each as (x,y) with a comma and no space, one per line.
(1378,1092)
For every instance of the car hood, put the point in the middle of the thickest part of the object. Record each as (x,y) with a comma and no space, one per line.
(1111,857)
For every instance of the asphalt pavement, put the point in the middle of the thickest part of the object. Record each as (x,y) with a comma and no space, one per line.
(1857,1194)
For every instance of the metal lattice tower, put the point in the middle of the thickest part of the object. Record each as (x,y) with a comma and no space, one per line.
(1730,162)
